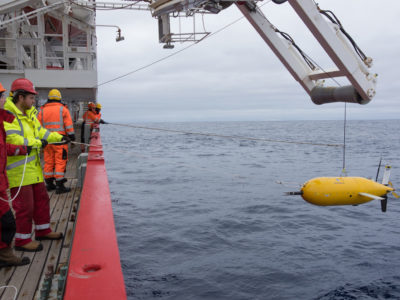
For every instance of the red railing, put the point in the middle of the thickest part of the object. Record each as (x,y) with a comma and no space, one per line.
(94,268)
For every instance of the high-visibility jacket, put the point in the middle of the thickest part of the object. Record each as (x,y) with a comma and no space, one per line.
(6,150)
(90,117)
(26,130)
(55,117)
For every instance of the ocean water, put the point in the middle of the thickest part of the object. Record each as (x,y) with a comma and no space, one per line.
(201,217)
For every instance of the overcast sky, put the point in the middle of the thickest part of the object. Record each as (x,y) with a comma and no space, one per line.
(233,75)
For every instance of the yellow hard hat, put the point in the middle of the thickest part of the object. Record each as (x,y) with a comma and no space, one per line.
(98,105)
(54,94)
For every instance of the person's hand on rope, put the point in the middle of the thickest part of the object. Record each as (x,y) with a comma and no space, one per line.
(44,143)
(66,139)
(72,137)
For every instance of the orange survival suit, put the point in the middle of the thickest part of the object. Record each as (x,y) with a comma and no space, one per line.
(89,117)
(55,117)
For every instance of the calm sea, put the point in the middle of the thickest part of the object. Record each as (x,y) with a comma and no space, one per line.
(201,217)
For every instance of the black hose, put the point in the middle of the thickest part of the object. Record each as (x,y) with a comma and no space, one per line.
(289,38)
(331,16)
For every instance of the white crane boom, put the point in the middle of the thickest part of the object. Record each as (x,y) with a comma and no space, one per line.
(349,60)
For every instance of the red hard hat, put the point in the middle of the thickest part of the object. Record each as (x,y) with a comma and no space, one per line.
(23,84)
(91,105)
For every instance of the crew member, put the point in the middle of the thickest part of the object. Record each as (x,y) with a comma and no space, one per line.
(31,201)
(55,117)
(98,112)
(7,221)
(89,117)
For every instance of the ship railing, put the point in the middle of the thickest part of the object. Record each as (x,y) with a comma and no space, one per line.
(94,270)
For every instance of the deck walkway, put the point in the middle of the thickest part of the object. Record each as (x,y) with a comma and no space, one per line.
(28,279)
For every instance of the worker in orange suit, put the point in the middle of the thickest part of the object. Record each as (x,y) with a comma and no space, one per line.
(55,117)
(98,111)
(89,117)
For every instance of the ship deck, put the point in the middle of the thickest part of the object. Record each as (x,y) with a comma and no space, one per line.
(27,281)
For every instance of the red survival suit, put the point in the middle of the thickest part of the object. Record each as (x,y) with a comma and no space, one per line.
(7,221)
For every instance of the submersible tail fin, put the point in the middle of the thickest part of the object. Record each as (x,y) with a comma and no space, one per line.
(385,181)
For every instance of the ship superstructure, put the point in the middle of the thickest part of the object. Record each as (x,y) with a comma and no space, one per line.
(51,42)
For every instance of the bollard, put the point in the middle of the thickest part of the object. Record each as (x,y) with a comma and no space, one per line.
(86,136)
(81,168)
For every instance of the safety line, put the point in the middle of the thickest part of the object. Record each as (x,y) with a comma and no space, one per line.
(72,142)
(20,185)
(227,136)
(11,286)
(77,143)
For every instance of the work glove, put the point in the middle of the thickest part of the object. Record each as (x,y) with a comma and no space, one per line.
(28,149)
(44,143)
(72,137)
(102,121)
(66,138)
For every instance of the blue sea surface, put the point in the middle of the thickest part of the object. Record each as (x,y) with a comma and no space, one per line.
(202,217)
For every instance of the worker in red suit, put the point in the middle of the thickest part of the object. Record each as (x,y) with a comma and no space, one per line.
(7,221)
(25,174)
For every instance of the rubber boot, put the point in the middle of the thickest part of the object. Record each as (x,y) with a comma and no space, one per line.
(32,246)
(8,259)
(50,184)
(60,188)
(50,236)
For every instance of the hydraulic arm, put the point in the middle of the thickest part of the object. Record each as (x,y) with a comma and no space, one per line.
(337,44)
(349,61)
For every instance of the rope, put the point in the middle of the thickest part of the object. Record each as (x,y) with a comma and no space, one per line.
(72,142)
(11,286)
(20,185)
(227,136)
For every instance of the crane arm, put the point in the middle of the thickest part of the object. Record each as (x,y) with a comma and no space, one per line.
(330,36)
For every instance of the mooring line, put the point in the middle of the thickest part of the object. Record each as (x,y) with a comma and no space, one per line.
(227,136)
